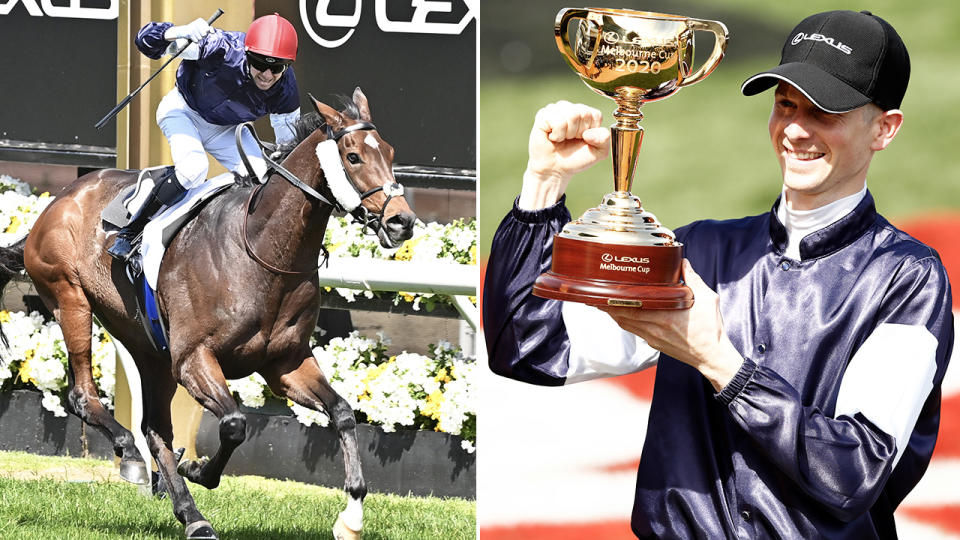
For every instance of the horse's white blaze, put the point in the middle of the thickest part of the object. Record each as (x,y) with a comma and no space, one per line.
(343,191)
(353,515)
(371,142)
(394,190)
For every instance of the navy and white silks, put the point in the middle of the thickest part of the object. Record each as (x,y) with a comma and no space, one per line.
(833,417)
(214,94)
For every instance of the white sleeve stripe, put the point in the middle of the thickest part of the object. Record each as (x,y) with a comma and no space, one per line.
(283,125)
(889,379)
(600,348)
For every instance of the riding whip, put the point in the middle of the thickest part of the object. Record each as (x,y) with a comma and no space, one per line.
(129,97)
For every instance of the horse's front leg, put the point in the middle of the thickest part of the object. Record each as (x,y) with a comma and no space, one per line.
(158,428)
(70,306)
(299,378)
(201,375)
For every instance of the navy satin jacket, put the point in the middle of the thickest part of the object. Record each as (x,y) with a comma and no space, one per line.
(767,457)
(218,84)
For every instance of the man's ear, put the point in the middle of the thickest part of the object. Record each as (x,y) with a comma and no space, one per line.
(890,122)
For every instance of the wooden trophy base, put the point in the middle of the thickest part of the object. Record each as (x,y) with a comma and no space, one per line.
(600,274)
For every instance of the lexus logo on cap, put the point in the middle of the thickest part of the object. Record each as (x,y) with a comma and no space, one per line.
(606,257)
(820,37)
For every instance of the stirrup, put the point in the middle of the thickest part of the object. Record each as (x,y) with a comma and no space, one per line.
(122,248)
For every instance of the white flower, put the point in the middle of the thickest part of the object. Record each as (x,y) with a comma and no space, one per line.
(5,372)
(468,446)
(51,402)
(250,390)
(309,417)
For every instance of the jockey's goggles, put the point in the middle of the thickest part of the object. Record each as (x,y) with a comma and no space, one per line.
(267,63)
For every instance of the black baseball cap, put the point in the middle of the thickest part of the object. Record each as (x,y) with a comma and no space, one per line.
(841,60)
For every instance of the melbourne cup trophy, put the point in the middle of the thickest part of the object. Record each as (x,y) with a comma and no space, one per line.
(617,253)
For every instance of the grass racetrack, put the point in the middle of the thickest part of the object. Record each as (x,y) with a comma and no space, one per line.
(85,499)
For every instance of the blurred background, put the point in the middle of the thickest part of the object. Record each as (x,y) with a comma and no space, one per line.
(561,463)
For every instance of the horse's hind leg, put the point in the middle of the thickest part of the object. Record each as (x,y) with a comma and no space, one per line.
(301,381)
(158,428)
(71,308)
(200,374)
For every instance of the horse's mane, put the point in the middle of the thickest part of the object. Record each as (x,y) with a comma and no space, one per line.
(302,128)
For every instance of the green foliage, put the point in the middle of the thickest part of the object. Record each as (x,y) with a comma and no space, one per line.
(242,508)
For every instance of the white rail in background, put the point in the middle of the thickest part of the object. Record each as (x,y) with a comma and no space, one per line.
(456,280)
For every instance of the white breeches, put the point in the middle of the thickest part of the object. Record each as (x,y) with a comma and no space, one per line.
(190,136)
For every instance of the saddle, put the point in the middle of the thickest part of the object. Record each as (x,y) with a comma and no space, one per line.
(143,267)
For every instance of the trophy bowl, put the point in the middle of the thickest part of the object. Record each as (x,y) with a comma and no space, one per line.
(618,253)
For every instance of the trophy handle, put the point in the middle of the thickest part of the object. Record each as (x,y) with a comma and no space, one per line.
(719,47)
(563,38)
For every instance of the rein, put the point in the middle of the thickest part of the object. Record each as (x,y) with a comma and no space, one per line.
(360,213)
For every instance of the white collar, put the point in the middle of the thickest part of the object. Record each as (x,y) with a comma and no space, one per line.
(800,223)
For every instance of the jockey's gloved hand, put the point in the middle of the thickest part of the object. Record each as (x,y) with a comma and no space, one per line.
(192,51)
(193,31)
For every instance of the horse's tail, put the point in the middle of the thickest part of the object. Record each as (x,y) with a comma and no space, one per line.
(11,264)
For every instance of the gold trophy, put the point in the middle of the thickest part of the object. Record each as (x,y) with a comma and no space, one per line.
(617,253)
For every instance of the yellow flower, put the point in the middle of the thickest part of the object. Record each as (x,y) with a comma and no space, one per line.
(431,408)
(96,372)
(409,297)
(473,254)
(405,253)
(442,376)
(371,375)
(4,316)
(14,225)
(24,372)
(375,371)
(44,195)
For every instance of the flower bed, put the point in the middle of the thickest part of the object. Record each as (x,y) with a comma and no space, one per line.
(455,243)
(37,359)
(404,391)
(19,208)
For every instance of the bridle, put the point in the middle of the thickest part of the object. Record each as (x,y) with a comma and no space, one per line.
(391,190)
(371,221)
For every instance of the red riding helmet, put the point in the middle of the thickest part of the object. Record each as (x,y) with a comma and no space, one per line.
(272,36)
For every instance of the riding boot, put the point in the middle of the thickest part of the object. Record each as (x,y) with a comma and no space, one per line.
(167,191)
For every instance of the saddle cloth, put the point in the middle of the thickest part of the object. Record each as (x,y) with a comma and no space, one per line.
(163,227)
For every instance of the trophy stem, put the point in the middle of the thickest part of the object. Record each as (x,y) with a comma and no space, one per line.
(627,137)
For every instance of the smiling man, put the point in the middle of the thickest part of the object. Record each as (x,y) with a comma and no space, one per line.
(225,79)
(799,397)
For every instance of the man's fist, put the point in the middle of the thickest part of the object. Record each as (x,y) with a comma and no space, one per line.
(566,138)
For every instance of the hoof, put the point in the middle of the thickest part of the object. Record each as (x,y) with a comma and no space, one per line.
(342,532)
(201,530)
(134,472)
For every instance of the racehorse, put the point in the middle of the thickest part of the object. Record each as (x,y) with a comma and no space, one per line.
(237,290)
